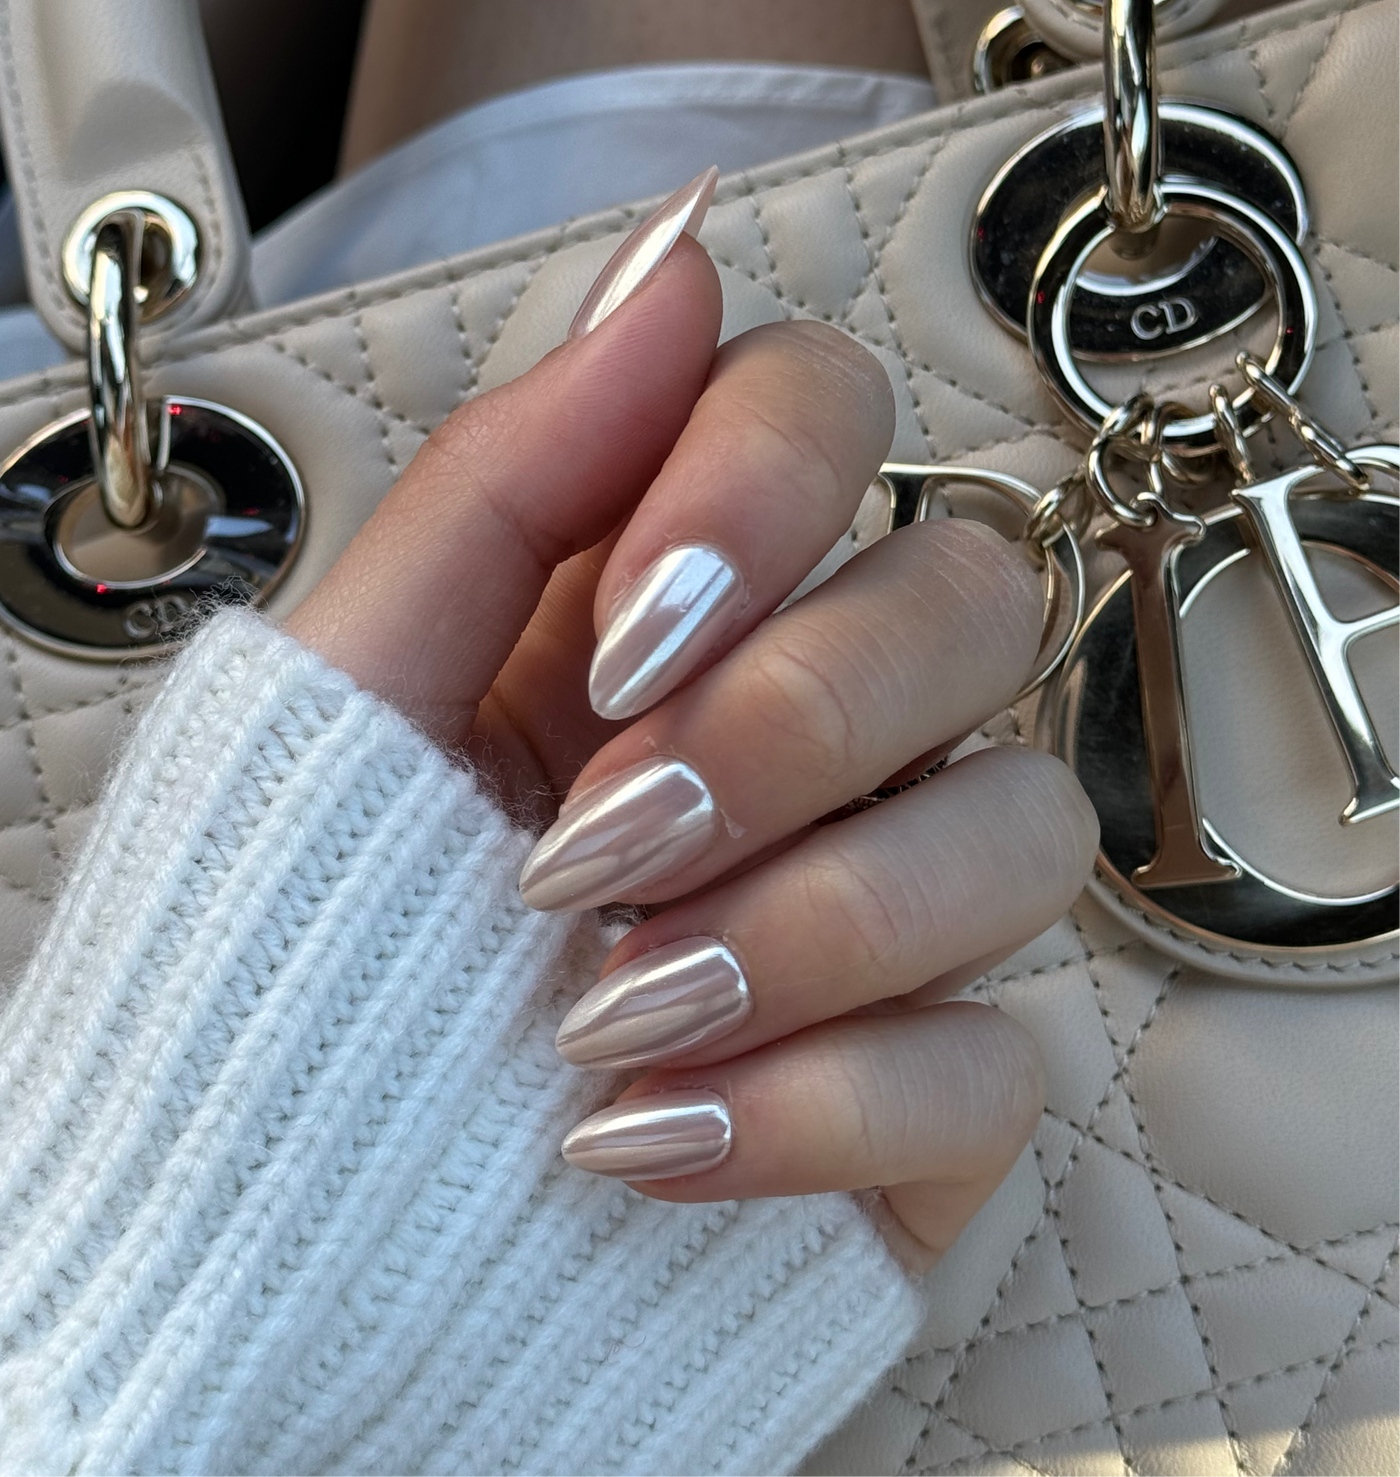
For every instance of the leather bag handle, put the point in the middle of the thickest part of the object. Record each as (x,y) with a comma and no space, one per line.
(101,96)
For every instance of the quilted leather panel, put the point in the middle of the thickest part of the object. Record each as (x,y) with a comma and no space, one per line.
(1193,1267)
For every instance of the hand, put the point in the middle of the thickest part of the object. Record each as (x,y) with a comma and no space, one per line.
(785,993)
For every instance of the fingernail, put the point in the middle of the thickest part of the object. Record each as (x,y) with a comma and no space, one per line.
(662,628)
(654,1138)
(635,827)
(667,1001)
(644,251)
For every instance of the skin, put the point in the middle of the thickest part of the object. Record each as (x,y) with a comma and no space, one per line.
(854,1069)
(423,60)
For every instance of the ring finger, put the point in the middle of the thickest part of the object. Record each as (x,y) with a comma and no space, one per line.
(982,856)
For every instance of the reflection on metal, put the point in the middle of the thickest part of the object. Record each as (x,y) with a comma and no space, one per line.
(1325,639)
(1009,50)
(1117,716)
(1131,128)
(1202,289)
(1088,226)
(1181,858)
(226,532)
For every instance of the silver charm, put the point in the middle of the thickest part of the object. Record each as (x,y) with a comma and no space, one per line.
(1121,715)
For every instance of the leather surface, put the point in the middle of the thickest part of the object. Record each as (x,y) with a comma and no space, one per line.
(1193,1268)
(97,97)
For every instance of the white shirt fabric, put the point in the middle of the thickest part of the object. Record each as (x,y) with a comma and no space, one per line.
(534,157)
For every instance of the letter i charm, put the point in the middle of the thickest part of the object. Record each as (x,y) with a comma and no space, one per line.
(1150,553)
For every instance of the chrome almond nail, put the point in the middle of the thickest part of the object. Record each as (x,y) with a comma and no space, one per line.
(658,1005)
(662,629)
(634,827)
(654,1138)
(644,251)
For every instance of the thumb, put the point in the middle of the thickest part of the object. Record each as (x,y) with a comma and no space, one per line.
(428,600)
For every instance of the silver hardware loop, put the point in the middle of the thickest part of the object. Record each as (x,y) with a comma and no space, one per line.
(1230,435)
(1086,227)
(1124,430)
(118,433)
(170,240)
(1131,127)
(1321,444)
(1008,50)
(1064,509)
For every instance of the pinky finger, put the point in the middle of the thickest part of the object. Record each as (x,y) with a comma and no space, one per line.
(933,1107)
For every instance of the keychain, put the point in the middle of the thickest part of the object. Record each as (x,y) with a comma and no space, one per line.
(1263,848)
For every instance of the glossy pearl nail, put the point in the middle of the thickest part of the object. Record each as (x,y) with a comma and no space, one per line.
(658,1005)
(631,829)
(654,1138)
(644,251)
(662,629)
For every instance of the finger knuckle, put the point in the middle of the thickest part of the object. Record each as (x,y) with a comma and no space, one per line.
(861,919)
(813,703)
(999,593)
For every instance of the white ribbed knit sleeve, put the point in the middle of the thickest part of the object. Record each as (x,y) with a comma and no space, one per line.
(280,1188)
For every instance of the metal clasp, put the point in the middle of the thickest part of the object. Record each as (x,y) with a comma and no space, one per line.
(129,257)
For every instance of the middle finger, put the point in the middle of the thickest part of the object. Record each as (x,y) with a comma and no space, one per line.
(907,647)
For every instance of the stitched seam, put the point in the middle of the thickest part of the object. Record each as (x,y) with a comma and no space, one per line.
(1372,413)
(1302,92)
(26,157)
(875,276)
(216,227)
(766,241)
(478,362)
(1335,1368)
(584,229)
(32,750)
(936,1408)
(1355,251)
(1244,956)
(1303,1251)
(122,690)
(1252,52)
(373,395)
(1197,1317)
(1034,1325)
(357,392)
(1158,1405)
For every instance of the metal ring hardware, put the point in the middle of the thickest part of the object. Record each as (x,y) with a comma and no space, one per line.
(1084,229)
(1230,435)
(121,455)
(1060,556)
(1131,129)
(1207,289)
(1321,444)
(1075,27)
(122,526)
(1009,50)
(169,266)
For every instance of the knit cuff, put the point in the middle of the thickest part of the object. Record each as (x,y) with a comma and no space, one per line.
(280,1186)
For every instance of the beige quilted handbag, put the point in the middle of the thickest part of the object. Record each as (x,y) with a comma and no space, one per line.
(1193,1267)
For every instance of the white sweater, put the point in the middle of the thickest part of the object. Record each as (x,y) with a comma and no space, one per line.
(280,1188)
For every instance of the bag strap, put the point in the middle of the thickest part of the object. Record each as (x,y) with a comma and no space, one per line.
(98,97)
